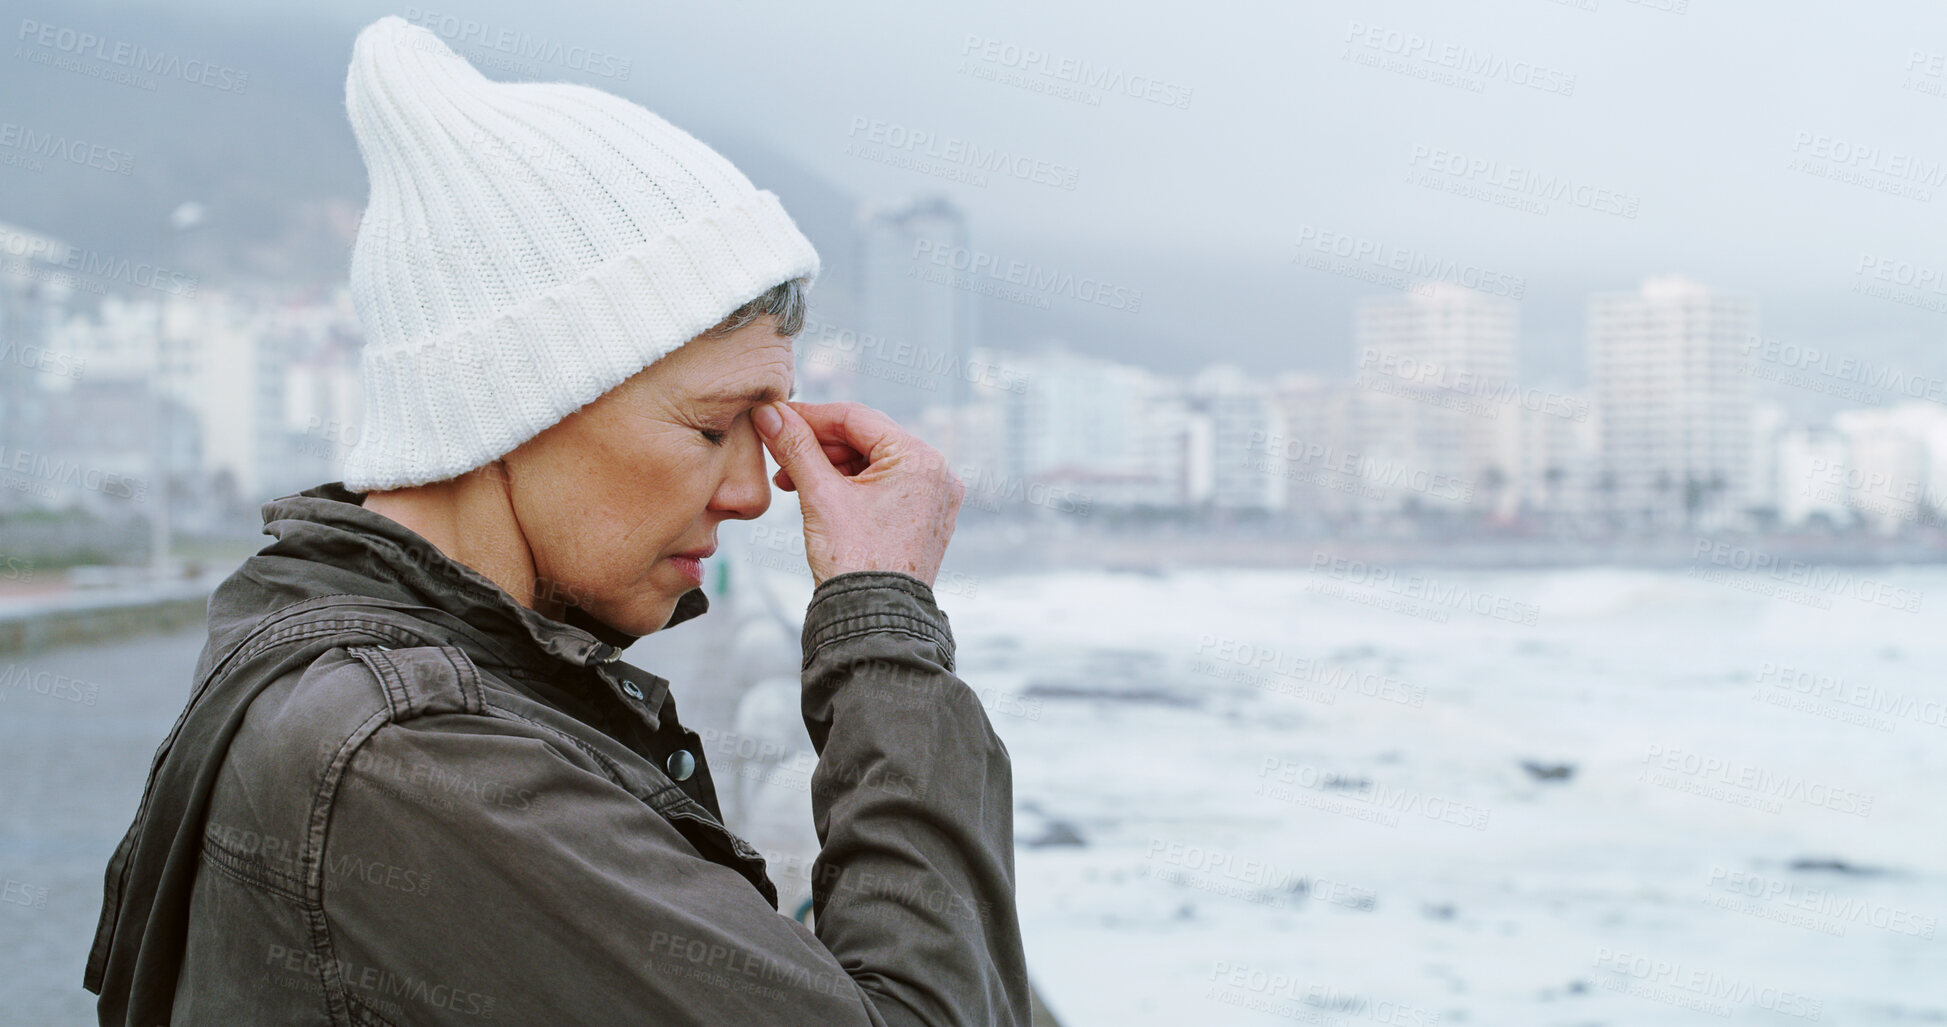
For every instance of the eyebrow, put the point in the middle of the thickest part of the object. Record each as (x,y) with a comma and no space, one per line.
(752,397)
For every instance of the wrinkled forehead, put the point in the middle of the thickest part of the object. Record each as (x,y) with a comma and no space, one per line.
(748,368)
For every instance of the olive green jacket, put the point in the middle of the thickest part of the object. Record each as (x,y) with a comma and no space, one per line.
(397,796)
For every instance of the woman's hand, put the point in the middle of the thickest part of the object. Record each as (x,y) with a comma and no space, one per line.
(874,496)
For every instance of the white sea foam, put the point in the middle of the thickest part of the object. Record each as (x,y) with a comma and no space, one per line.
(1691,765)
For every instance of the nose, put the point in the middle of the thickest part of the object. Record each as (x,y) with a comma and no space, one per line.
(745,492)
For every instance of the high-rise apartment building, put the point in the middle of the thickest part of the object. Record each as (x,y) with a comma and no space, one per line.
(1675,404)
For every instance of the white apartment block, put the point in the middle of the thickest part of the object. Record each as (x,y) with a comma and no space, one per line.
(1675,406)
(1243,412)
(1808,460)
(1438,365)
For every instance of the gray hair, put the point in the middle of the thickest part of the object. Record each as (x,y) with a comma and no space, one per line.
(784,301)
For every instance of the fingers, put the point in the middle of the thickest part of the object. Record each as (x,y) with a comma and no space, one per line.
(840,454)
(843,458)
(797,449)
(854,425)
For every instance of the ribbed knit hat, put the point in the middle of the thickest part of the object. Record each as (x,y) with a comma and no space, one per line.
(527,246)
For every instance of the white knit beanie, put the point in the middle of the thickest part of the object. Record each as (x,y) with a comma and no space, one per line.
(527,247)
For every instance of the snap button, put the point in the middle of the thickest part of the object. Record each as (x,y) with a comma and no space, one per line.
(630,687)
(681,765)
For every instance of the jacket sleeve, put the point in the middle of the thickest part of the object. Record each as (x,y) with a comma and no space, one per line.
(913,887)
(485,870)
(480,870)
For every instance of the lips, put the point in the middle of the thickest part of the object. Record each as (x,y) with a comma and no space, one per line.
(698,554)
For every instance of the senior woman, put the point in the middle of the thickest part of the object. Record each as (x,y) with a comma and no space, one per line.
(414,783)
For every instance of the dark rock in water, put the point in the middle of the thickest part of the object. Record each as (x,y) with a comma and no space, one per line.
(1548,771)
(1056,832)
(1836,866)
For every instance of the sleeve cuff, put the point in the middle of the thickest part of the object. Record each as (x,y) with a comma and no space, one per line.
(862,602)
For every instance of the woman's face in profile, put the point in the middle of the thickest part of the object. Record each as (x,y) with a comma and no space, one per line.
(647,471)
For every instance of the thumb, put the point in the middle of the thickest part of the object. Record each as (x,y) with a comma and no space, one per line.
(794,445)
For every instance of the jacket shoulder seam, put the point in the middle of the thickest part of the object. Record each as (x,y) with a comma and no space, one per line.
(384,665)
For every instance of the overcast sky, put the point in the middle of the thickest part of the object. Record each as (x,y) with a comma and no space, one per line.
(1693,118)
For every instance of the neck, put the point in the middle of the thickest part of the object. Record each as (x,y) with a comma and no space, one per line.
(470,519)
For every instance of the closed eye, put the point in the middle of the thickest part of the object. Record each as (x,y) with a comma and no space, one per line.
(716,437)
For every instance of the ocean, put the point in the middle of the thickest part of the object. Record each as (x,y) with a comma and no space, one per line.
(1352,796)
(1585,796)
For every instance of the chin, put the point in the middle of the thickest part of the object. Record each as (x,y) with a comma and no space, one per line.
(642,617)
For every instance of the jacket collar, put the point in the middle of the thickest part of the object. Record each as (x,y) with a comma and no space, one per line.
(329,524)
